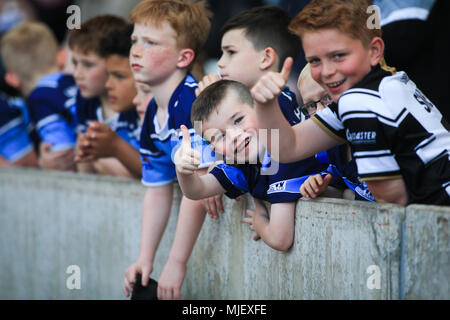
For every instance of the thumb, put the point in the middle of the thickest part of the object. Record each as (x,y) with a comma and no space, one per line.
(327,179)
(287,67)
(186,135)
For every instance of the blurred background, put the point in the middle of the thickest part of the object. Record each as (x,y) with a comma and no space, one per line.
(54,13)
(415,33)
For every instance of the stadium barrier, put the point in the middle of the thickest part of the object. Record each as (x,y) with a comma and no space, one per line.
(71,236)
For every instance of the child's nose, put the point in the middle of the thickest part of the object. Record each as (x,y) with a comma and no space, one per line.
(328,69)
(136,50)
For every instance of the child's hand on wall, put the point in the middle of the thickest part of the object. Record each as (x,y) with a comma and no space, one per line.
(249,221)
(315,185)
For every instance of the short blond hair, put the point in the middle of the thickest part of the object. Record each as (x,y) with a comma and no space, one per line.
(29,48)
(189,19)
(304,75)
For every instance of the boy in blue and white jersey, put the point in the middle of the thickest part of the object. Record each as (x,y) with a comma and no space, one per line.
(16,145)
(254,42)
(167,36)
(116,138)
(29,53)
(228,121)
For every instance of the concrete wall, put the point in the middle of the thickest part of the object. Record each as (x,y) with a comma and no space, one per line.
(343,250)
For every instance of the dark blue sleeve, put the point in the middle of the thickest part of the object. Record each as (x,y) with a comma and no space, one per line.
(231,179)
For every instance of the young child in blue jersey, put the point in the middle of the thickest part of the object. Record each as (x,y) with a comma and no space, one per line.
(16,145)
(167,37)
(228,120)
(29,53)
(253,43)
(121,141)
(398,137)
(93,102)
(342,166)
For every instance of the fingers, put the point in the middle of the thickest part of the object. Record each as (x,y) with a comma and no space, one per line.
(250,213)
(145,276)
(286,69)
(186,136)
(211,208)
(206,81)
(219,203)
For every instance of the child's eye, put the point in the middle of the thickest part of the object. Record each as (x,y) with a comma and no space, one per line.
(339,56)
(88,64)
(313,61)
(238,120)
(133,41)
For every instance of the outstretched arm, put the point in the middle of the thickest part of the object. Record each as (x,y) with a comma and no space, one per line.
(296,143)
(190,221)
(155,214)
(193,185)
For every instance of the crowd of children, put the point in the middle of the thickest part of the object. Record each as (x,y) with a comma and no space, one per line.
(132,107)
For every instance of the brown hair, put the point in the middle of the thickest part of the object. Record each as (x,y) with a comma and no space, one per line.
(87,38)
(29,48)
(210,98)
(189,19)
(347,16)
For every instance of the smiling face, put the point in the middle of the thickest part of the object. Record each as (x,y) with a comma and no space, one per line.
(233,132)
(338,62)
(311,92)
(154,53)
(89,73)
(240,61)
(120,84)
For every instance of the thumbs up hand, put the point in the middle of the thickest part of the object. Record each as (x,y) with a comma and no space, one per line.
(186,159)
(270,85)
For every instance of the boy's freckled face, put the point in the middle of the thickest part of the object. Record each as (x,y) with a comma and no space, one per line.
(142,99)
(120,84)
(239,61)
(154,53)
(338,62)
(89,73)
(233,131)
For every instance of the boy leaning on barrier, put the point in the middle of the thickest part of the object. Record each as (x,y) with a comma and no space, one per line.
(399,139)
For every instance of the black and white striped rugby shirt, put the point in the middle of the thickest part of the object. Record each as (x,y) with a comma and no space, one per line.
(394,131)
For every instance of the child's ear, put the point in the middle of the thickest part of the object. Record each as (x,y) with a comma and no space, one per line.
(185,58)
(376,48)
(13,80)
(268,59)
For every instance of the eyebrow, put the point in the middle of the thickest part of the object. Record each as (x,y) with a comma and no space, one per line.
(229,46)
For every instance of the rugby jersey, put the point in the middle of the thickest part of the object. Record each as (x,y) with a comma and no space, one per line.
(126,124)
(394,131)
(52,108)
(345,174)
(159,144)
(270,181)
(15,128)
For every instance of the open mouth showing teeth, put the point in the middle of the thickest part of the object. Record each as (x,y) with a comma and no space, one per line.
(244,145)
(335,84)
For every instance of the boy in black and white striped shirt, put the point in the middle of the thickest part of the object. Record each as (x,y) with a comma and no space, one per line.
(399,138)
